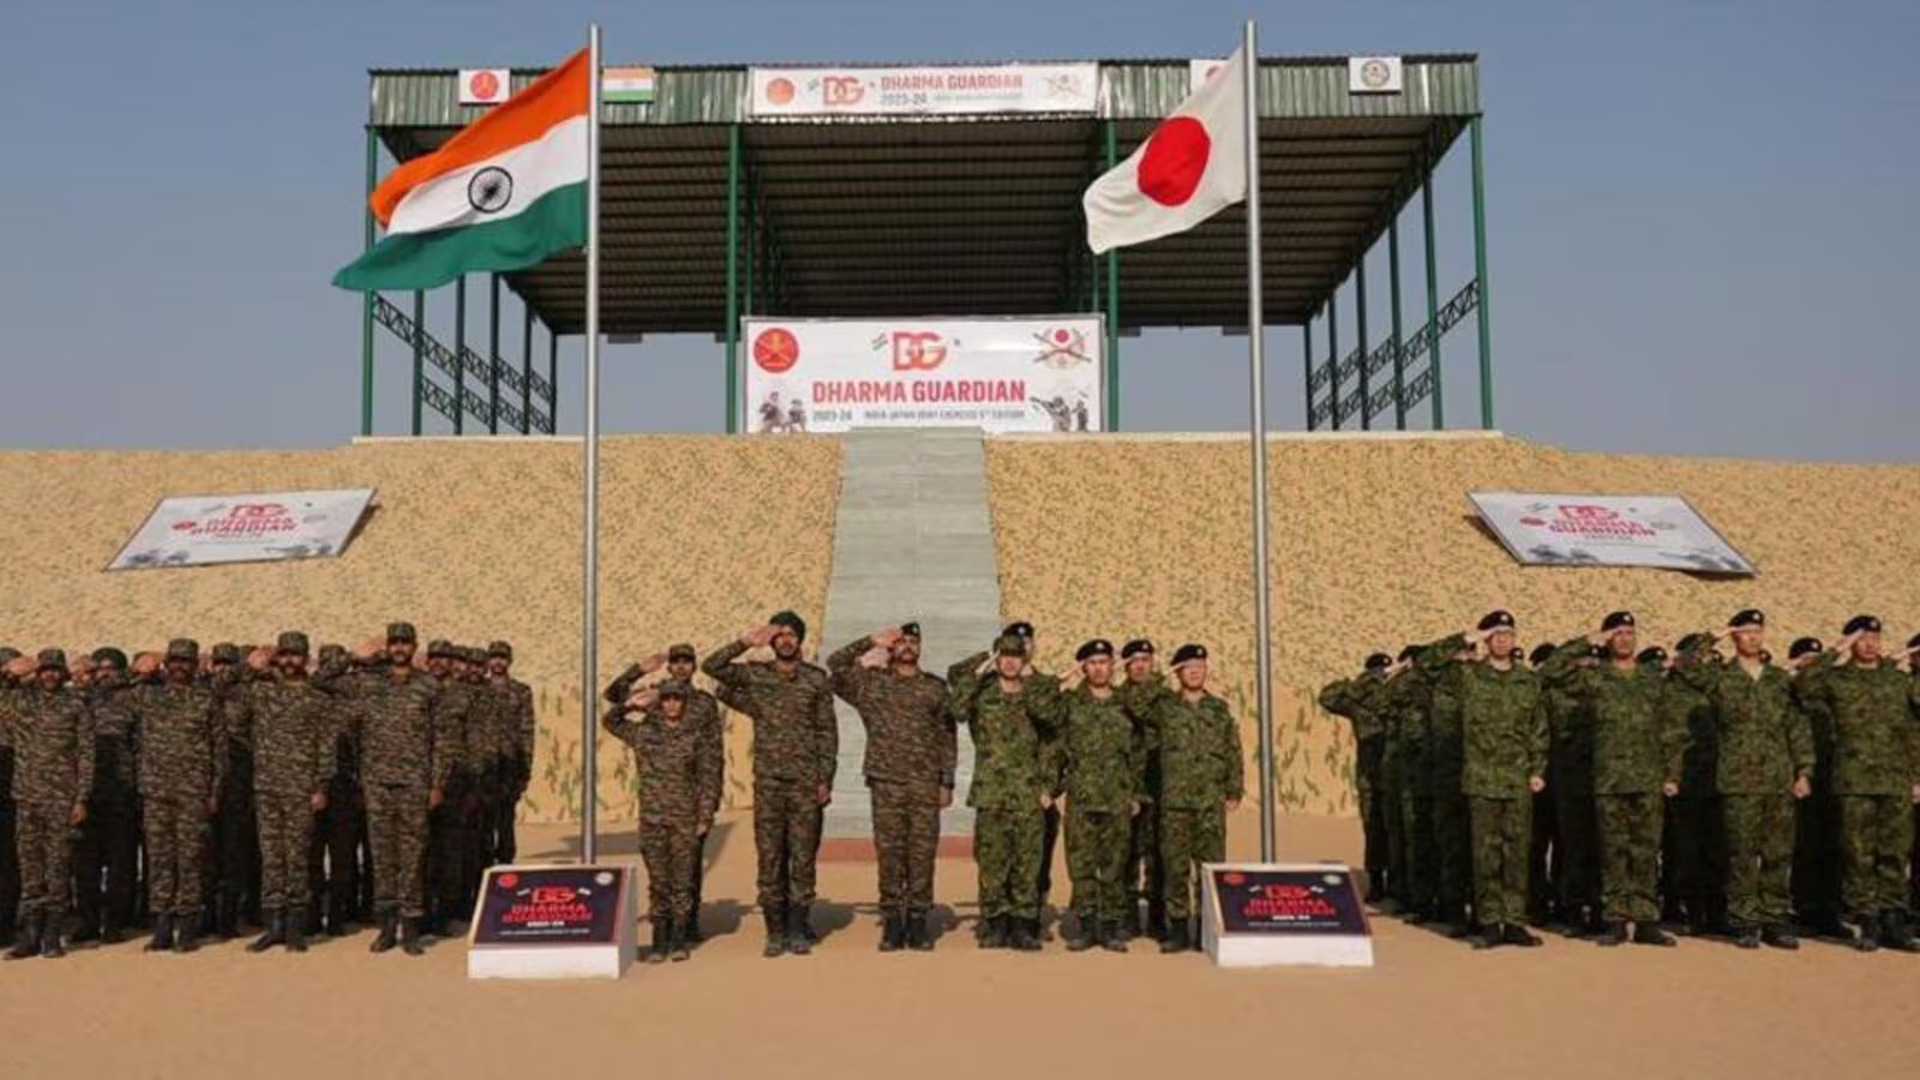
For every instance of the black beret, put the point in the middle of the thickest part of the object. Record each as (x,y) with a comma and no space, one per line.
(1540,654)
(185,649)
(1188,652)
(1751,617)
(682,652)
(1411,652)
(1655,655)
(1616,621)
(110,657)
(1803,646)
(1136,647)
(500,650)
(911,629)
(792,622)
(1020,629)
(1092,649)
(1497,620)
(1010,645)
(1694,641)
(401,631)
(295,642)
(1379,662)
(1862,624)
(1913,643)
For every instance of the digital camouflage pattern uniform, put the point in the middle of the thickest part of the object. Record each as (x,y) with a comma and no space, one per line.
(795,743)
(1197,744)
(458,720)
(1445,844)
(1146,877)
(910,758)
(1504,742)
(1009,778)
(1570,785)
(1104,781)
(234,870)
(53,746)
(179,777)
(394,726)
(516,765)
(702,708)
(1636,750)
(1359,701)
(9,814)
(106,856)
(1816,863)
(1876,762)
(1764,743)
(678,780)
(294,724)
(1695,846)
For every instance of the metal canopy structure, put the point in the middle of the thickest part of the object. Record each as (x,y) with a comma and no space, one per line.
(711,213)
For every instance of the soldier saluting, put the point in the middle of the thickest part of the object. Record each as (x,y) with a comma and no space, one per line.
(179,785)
(52,736)
(679,788)
(1193,736)
(1105,788)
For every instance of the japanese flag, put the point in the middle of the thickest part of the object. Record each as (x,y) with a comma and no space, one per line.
(1193,166)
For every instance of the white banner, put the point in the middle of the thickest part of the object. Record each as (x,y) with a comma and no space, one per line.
(485,86)
(1375,75)
(833,375)
(1662,531)
(204,530)
(925,91)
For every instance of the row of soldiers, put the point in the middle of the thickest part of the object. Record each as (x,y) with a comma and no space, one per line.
(313,791)
(1143,771)
(1602,789)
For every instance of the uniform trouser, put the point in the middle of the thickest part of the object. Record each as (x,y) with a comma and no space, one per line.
(105,859)
(9,868)
(1499,829)
(1097,848)
(1369,786)
(1695,855)
(1629,855)
(1452,854)
(1578,837)
(1146,874)
(1876,838)
(46,866)
(1006,850)
(1543,850)
(1189,838)
(1816,864)
(906,839)
(1393,795)
(786,840)
(1049,839)
(669,846)
(238,849)
(176,832)
(1759,832)
(286,840)
(334,873)
(1419,886)
(506,845)
(448,847)
(397,840)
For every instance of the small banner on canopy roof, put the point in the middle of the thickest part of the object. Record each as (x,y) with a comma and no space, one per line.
(1660,531)
(206,530)
(925,91)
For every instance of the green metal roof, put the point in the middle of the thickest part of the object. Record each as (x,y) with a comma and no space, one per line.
(910,216)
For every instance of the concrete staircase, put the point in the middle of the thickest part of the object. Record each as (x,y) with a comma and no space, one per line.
(913,541)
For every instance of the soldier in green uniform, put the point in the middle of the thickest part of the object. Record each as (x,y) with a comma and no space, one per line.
(1009,708)
(678,778)
(1693,849)
(1196,739)
(1765,762)
(1876,775)
(233,872)
(909,766)
(1503,764)
(1912,658)
(1816,844)
(1545,848)
(517,739)
(52,736)
(1144,872)
(106,855)
(1359,701)
(1570,785)
(1636,767)
(180,770)
(1103,784)
(795,743)
(9,816)
(1448,833)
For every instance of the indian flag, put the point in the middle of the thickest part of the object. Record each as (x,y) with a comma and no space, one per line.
(506,192)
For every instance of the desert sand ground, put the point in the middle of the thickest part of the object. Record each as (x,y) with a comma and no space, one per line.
(1430,1007)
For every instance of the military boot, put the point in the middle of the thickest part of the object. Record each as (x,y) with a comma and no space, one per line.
(993,933)
(657,949)
(893,933)
(410,938)
(1895,933)
(1614,934)
(677,940)
(186,936)
(51,946)
(1515,934)
(919,935)
(296,930)
(1175,940)
(1745,936)
(1080,938)
(800,930)
(276,933)
(776,934)
(162,938)
(389,930)
(1649,933)
(28,943)
(1026,935)
(1779,937)
(1867,938)
(1113,936)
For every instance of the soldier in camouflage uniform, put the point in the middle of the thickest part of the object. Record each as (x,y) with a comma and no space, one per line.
(1545,847)
(1008,707)
(106,855)
(1504,759)
(456,718)
(233,870)
(1360,701)
(9,815)
(1875,710)
(1816,844)
(678,780)
(1636,767)
(1202,778)
(909,766)
(1765,763)
(516,748)
(1693,884)
(53,745)
(1419,723)
(339,870)
(795,740)
(1448,839)
(1145,875)
(1052,761)
(1104,782)
(179,789)
(403,774)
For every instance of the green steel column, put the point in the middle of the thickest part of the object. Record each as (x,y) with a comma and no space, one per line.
(1306,363)
(733,278)
(526,372)
(553,382)
(753,247)
(1434,372)
(493,354)
(1333,359)
(1480,275)
(1113,300)
(460,355)
(1399,342)
(366,299)
(1360,294)
(419,353)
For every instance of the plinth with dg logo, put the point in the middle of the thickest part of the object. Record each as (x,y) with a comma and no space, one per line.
(553,922)
(1284,914)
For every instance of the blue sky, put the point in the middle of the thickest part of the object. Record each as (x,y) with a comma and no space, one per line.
(1702,220)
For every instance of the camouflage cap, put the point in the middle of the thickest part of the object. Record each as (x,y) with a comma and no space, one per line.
(682,653)
(1010,645)
(401,631)
(108,656)
(332,654)
(185,649)
(475,655)
(439,649)
(52,660)
(500,650)
(792,622)
(294,642)
(226,653)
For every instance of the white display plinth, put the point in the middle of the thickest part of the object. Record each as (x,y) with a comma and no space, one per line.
(553,922)
(1283,915)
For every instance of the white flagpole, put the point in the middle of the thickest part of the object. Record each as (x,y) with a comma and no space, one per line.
(1262,601)
(590,443)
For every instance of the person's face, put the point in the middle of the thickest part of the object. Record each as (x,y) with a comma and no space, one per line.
(220,668)
(1193,675)
(680,669)
(82,671)
(1009,667)
(292,665)
(1139,666)
(498,666)
(1099,671)
(786,643)
(906,651)
(1866,647)
(50,678)
(1749,642)
(1625,643)
(179,671)
(400,652)
(673,707)
(439,666)
(1500,645)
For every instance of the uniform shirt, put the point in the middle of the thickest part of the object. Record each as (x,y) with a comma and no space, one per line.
(521,728)
(1503,721)
(910,737)
(1009,732)
(116,741)
(1637,744)
(1875,713)
(1762,736)
(1102,749)
(674,768)
(795,735)
(179,746)
(393,723)
(52,735)
(295,724)
(1197,745)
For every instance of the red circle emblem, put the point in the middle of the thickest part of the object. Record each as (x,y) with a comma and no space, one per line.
(780,92)
(1175,160)
(508,881)
(1233,878)
(776,351)
(484,85)
(1062,336)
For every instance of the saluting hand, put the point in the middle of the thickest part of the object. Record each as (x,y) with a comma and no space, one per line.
(1670,789)
(886,639)
(653,663)
(79,814)
(318,800)
(1536,784)
(758,636)
(1802,787)
(21,667)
